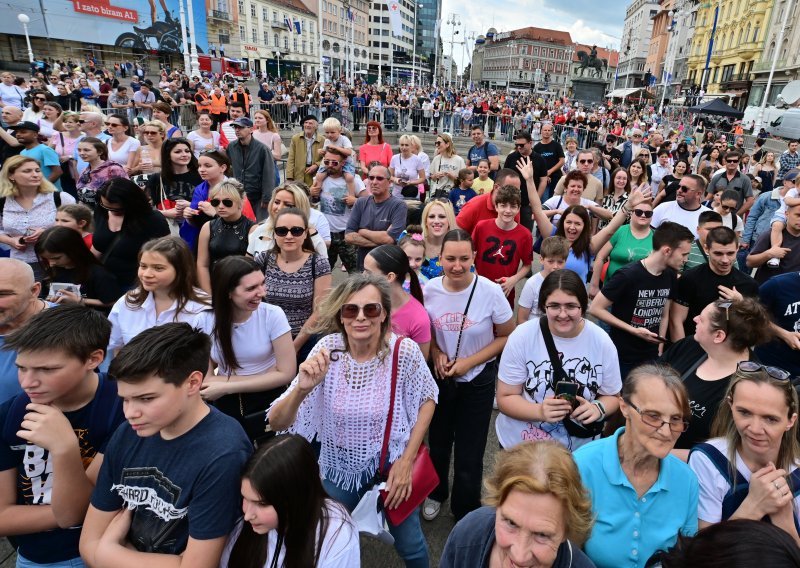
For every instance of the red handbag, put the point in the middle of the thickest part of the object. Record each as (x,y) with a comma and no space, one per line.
(423,475)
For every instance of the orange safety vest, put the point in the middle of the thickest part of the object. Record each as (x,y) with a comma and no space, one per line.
(219,105)
(204,106)
(246,101)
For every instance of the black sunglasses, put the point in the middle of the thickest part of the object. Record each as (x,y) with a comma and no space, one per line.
(225,202)
(283,231)
(376,178)
(586,161)
(351,311)
(642,213)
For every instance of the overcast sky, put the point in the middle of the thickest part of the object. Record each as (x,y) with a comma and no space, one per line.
(587,21)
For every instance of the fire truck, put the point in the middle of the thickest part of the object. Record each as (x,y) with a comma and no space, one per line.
(224,66)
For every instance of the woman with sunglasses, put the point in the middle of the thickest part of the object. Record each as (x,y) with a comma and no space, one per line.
(99,169)
(445,167)
(166,291)
(226,234)
(374,150)
(643,497)
(668,188)
(35,110)
(122,148)
(755,451)
(251,345)
(171,190)
(464,362)
(347,377)
(148,156)
(124,222)
(295,276)
(726,333)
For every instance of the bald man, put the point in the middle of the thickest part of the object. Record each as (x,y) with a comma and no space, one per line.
(19,302)
(9,146)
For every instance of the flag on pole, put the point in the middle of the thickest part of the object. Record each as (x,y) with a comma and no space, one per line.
(289,26)
(395,18)
(297,27)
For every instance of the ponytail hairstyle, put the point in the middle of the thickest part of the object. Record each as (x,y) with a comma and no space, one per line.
(284,473)
(391,259)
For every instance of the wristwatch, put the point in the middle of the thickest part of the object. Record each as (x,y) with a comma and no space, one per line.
(600,407)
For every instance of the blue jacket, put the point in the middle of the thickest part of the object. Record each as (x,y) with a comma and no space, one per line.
(760,215)
(627,154)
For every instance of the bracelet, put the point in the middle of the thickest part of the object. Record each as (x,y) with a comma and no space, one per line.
(601,408)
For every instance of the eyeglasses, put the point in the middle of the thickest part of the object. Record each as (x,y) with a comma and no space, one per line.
(438,143)
(519,145)
(726,207)
(225,202)
(684,188)
(351,311)
(643,213)
(376,178)
(752,367)
(41,99)
(283,231)
(331,162)
(732,161)
(653,419)
(81,122)
(150,133)
(569,308)
(586,161)
(111,209)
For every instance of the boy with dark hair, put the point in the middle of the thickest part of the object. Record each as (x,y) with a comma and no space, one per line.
(170,482)
(635,301)
(697,254)
(503,247)
(554,253)
(54,434)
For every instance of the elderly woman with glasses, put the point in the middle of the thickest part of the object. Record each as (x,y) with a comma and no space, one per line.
(643,497)
(340,401)
(749,470)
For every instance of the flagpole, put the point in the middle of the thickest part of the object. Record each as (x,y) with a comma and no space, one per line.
(707,71)
(319,36)
(195,62)
(380,48)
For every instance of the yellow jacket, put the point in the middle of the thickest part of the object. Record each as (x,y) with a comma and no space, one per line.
(296,163)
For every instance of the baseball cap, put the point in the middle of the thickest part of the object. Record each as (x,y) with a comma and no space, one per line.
(26,125)
(792,174)
(242,122)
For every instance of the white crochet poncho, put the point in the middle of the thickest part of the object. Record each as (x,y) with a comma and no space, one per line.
(347,411)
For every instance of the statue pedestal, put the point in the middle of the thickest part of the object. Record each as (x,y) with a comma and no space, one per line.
(588,90)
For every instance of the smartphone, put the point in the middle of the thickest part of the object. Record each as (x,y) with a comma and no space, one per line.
(568,390)
(57,287)
(661,339)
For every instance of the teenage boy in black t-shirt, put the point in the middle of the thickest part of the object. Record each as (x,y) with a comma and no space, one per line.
(717,279)
(55,433)
(169,485)
(638,297)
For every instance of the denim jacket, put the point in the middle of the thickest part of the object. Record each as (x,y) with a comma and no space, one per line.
(760,215)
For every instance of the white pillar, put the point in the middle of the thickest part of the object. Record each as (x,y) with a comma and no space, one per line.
(195,62)
(182,16)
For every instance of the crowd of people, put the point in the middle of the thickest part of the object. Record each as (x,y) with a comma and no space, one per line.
(187,379)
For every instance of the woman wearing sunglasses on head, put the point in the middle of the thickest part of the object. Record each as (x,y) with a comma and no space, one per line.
(749,470)
(643,498)
(226,234)
(725,334)
(296,277)
(340,400)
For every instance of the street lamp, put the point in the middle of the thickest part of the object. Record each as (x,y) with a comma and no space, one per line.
(670,63)
(414,52)
(510,54)
(25,20)
(454,21)
(278,57)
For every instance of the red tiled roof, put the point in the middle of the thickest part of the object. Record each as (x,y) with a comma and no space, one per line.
(542,34)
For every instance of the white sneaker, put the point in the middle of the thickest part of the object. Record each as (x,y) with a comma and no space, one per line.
(431,509)
(774,262)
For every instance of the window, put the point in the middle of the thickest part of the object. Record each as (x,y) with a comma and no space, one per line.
(266,37)
(277,41)
(303,49)
(755,33)
(286,42)
(242,35)
(254,35)
(295,45)
(274,16)
(252,10)
(265,14)
(311,48)
(241,6)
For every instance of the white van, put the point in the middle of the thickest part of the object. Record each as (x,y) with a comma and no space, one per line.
(786,126)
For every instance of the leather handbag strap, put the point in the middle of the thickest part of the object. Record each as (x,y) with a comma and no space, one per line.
(464,317)
(555,361)
(388,430)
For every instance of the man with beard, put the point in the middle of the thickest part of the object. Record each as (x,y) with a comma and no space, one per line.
(687,207)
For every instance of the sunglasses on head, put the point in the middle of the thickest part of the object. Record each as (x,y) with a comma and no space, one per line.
(331,162)
(283,231)
(351,311)
(225,202)
(752,367)
(643,213)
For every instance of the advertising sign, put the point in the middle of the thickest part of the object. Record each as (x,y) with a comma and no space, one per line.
(151,25)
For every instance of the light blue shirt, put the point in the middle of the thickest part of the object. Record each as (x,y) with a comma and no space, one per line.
(629,529)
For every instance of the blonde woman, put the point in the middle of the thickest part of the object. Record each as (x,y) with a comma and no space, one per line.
(226,234)
(267,133)
(570,155)
(438,218)
(406,168)
(444,167)
(285,196)
(163,112)
(148,156)
(765,170)
(29,204)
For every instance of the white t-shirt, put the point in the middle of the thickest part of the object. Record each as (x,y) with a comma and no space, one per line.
(658,172)
(127,323)
(407,168)
(121,154)
(201,144)
(341,142)
(340,547)
(590,358)
(782,209)
(671,211)
(320,223)
(252,339)
(713,486)
(557,202)
(489,307)
(332,203)
(728,221)
(529,297)
(12,95)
